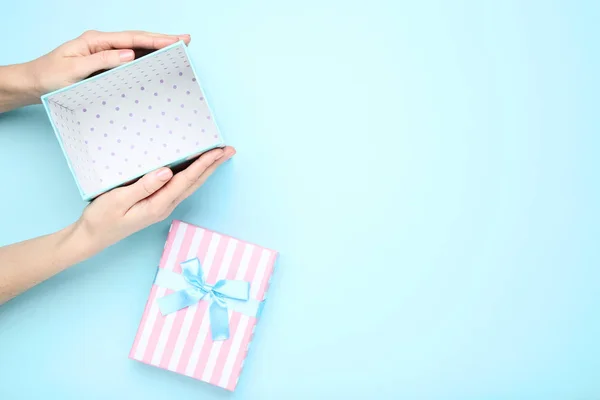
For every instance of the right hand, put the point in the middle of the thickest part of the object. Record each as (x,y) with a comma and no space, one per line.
(123,211)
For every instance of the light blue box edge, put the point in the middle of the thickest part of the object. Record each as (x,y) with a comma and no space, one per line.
(184,158)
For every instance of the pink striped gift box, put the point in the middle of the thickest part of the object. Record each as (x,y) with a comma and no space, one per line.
(181,341)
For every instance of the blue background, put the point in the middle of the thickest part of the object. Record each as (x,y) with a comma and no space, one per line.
(427,169)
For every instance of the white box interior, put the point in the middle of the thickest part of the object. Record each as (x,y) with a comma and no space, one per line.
(131,120)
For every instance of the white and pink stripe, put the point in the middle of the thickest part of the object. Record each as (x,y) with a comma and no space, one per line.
(181,341)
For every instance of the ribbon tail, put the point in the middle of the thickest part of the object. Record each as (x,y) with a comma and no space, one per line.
(178,300)
(219,322)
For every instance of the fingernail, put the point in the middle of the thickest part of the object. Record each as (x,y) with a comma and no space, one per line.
(230,155)
(126,55)
(185,37)
(164,174)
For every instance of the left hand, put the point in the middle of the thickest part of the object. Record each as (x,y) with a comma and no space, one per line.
(91,52)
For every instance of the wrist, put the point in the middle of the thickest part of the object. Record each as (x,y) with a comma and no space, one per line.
(74,245)
(31,82)
(84,239)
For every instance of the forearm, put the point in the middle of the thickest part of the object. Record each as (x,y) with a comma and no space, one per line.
(17,87)
(24,265)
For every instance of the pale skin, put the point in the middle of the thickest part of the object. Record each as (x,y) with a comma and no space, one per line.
(118,213)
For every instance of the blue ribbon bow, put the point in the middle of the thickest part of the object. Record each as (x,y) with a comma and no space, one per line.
(191,288)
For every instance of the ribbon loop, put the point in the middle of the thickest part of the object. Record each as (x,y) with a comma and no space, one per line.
(238,290)
(225,294)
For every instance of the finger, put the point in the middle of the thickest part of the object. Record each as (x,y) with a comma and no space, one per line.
(98,41)
(186,178)
(144,187)
(228,153)
(102,60)
(186,37)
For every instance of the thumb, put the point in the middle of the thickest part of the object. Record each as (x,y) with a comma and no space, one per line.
(146,186)
(102,60)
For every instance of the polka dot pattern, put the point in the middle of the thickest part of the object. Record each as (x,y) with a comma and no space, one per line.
(113,131)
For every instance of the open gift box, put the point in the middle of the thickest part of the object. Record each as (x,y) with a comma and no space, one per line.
(121,124)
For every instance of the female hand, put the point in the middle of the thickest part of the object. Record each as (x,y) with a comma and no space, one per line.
(108,219)
(24,84)
(91,52)
(123,211)
(118,213)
